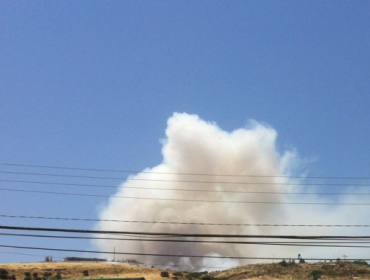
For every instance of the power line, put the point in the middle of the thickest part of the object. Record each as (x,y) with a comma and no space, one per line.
(196,235)
(181,223)
(185,190)
(296,244)
(180,173)
(179,181)
(162,255)
(24,254)
(189,200)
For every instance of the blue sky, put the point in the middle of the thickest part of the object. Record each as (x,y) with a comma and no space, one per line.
(92,84)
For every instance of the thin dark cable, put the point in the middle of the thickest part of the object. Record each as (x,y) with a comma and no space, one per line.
(184,190)
(179,173)
(162,234)
(23,254)
(178,223)
(177,181)
(190,200)
(162,255)
(296,244)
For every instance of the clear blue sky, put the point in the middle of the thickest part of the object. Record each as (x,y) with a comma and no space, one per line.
(92,84)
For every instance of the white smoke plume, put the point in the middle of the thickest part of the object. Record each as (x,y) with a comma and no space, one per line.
(194,146)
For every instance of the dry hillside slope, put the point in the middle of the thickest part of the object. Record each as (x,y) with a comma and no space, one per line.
(341,270)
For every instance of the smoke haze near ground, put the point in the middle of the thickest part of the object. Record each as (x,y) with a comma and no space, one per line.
(194,146)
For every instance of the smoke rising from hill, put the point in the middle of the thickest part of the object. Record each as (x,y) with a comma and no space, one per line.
(194,146)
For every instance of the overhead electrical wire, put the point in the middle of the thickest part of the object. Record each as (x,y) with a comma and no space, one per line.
(162,255)
(184,190)
(24,254)
(189,200)
(330,244)
(180,181)
(180,173)
(182,223)
(195,235)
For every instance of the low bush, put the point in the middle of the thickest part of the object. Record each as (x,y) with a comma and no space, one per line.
(194,275)
(316,274)
(177,273)
(283,263)
(165,274)
(46,275)
(360,263)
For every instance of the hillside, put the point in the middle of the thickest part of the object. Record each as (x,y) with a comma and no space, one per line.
(338,271)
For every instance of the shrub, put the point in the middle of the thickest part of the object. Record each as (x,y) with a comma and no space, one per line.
(58,276)
(165,274)
(361,271)
(302,261)
(360,262)
(47,275)
(27,274)
(195,274)
(316,274)
(35,274)
(207,277)
(283,263)
(177,273)
(3,274)
(85,273)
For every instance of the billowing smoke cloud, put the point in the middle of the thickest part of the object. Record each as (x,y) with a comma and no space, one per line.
(194,146)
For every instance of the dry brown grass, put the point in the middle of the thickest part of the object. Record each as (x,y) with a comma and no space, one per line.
(338,271)
(75,270)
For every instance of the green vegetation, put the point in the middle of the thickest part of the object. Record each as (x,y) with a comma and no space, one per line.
(165,274)
(196,275)
(46,275)
(284,263)
(5,275)
(360,263)
(316,274)
(85,273)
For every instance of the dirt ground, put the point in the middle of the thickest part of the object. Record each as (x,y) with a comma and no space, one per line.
(75,270)
(71,270)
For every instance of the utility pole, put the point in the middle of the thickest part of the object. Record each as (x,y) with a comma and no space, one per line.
(114,255)
(344,257)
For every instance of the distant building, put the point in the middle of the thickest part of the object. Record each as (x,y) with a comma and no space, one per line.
(48,259)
